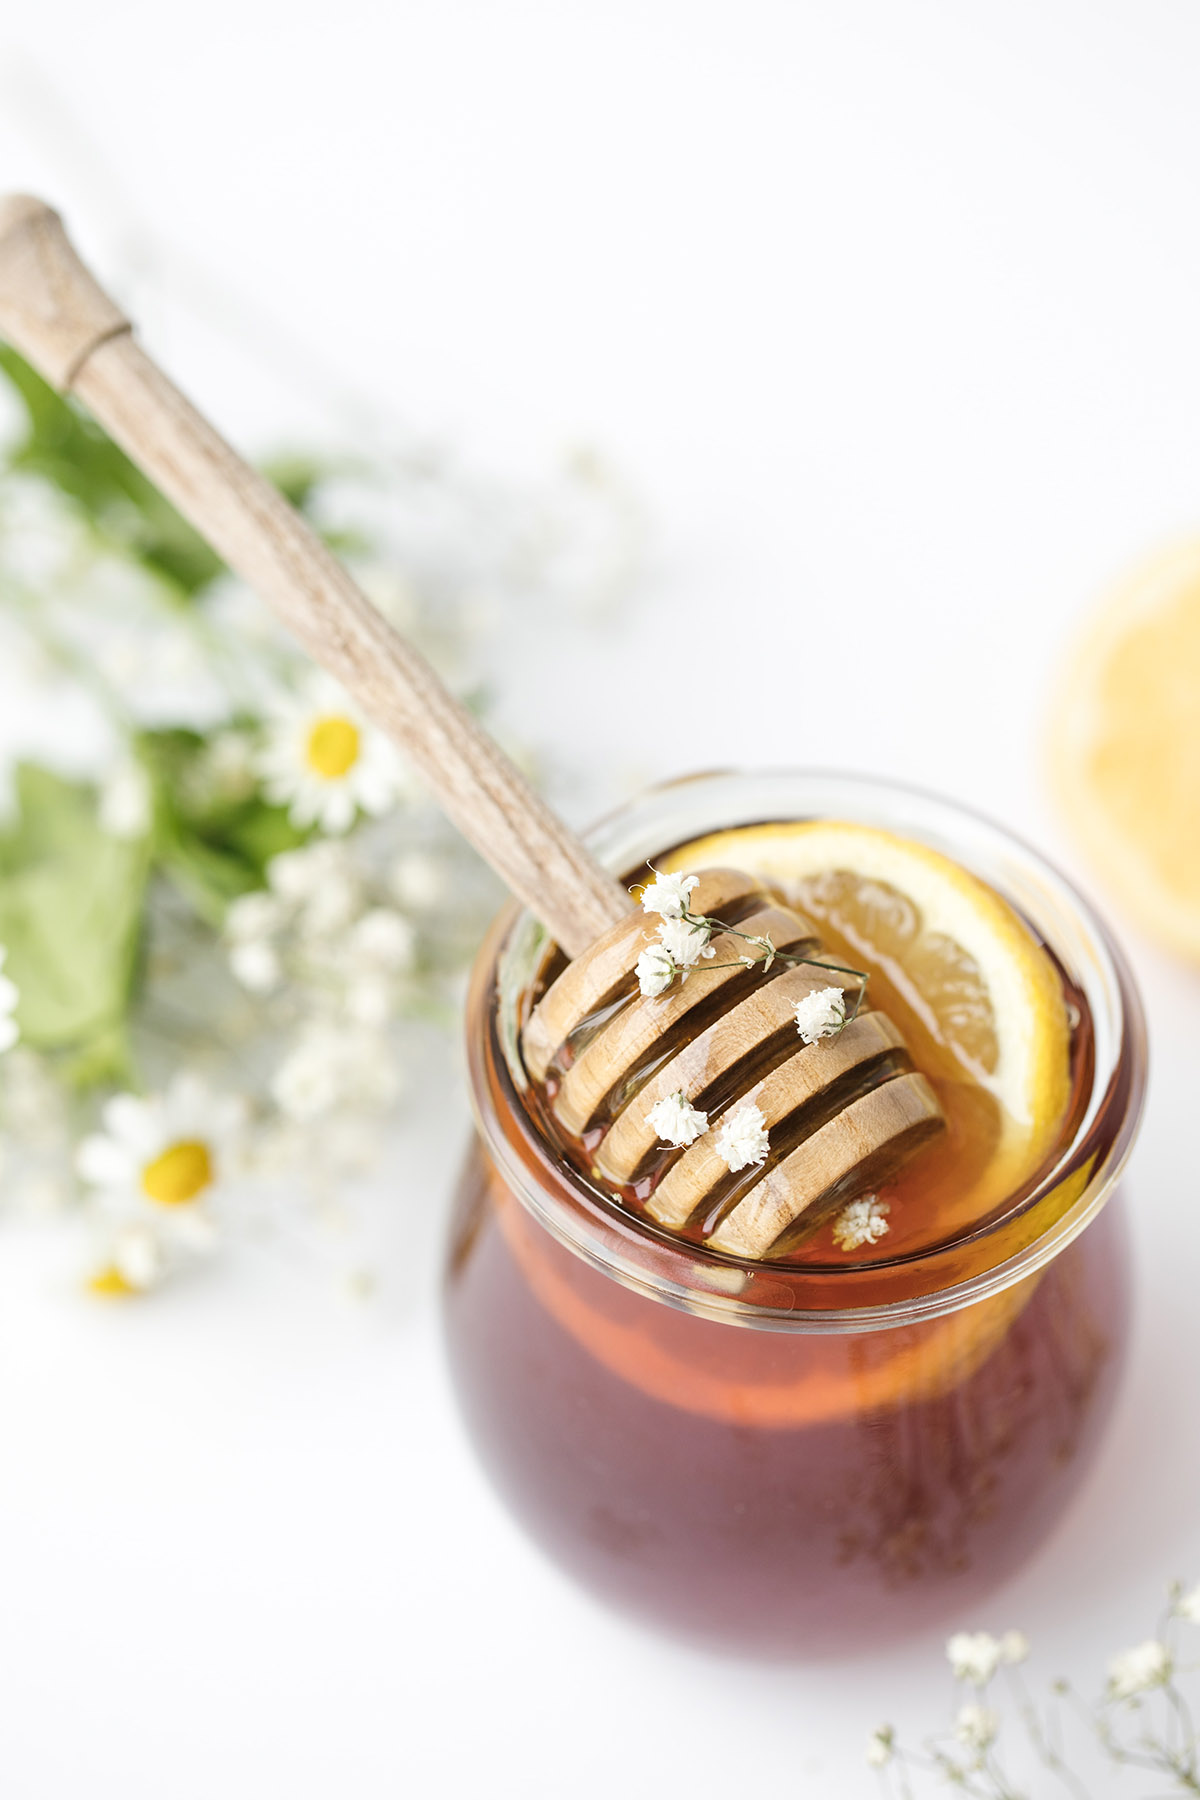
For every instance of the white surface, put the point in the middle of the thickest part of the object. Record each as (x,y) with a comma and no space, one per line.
(891,313)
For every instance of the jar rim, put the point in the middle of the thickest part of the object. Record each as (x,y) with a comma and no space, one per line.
(922,1284)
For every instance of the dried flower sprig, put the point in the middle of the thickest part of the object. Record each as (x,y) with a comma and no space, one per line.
(1141,1720)
(685,941)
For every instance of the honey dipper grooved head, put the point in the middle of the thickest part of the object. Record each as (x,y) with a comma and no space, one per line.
(834,1115)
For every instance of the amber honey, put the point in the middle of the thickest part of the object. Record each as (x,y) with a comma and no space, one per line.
(816,1452)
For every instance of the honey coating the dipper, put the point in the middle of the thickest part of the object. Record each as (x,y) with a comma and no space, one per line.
(829,1042)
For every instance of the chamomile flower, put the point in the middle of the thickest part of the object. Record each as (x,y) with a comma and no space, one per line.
(170,1150)
(157,1167)
(324,762)
(742,1139)
(9,996)
(676,1120)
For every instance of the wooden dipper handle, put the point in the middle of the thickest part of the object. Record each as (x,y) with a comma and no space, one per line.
(60,319)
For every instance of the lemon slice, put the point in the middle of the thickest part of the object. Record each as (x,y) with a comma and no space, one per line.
(1125,746)
(977,997)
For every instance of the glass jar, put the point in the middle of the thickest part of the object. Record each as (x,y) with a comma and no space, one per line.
(791,1460)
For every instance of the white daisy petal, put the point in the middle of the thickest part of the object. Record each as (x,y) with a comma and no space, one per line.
(133,1122)
(101,1162)
(324,761)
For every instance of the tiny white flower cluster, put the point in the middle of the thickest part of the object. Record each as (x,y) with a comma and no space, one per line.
(1147,1665)
(821,1014)
(316,925)
(974,1656)
(976,1726)
(1187,1606)
(126,801)
(677,1121)
(668,895)
(9,998)
(1124,1720)
(881,1746)
(864,1221)
(682,940)
(742,1139)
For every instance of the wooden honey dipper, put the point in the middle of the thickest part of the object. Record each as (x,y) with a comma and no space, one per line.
(842,1114)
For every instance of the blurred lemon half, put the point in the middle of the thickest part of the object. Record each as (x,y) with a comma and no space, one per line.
(1125,746)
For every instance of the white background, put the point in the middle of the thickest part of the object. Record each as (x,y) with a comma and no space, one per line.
(891,313)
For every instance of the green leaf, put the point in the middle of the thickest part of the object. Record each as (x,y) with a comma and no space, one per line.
(66,448)
(70,913)
(213,848)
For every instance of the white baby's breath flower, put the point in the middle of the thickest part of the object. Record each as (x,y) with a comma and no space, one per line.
(1147,1665)
(384,939)
(881,1746)
(820,1014)
(1014,1647)
(418,880)
(976,1725)
(676,1120)
(864,1221)
(9,999)
(126,807)
(253,916)
(322,882)
(325,762)
(1188,1606)
(226,770)
(332,1065)
(668,894)
(683,942)
(250,923)
(742,1139)
(257,966)
(295,875)
(974,1656)
(655,970)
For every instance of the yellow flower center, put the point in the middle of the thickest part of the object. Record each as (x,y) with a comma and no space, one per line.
(332,748)
(179,1174)
(110,1284)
